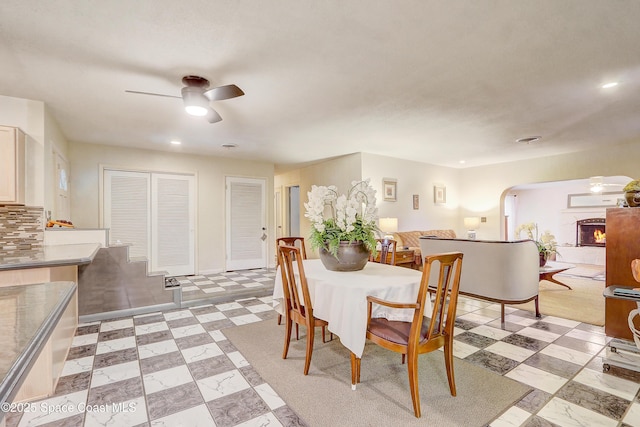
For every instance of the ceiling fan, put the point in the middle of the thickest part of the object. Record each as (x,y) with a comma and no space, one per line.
(197,96)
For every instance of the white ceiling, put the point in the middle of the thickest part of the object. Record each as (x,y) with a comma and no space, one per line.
(425,80)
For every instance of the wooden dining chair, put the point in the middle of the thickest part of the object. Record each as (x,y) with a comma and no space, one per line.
(298,242)
(298,308)
(387,247)
(422,334)
(291,241)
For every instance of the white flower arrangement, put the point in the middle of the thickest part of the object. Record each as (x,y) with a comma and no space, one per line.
(546,242)
(351,217)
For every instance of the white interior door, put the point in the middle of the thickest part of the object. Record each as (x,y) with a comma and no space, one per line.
(172,224)
(246,246)
(127,210)
(155,214)
(277,202)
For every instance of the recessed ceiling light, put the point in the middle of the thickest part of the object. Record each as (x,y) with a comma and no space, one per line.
(176,142)
(609,85)
(529,139)
(462,162)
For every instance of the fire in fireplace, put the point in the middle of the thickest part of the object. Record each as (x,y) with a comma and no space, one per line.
(591,232)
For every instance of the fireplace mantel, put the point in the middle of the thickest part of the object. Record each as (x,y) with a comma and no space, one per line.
(581,254)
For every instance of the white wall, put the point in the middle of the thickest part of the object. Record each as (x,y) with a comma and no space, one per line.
(546,205)
(415,178)
(42,133)
(478,191)
(54,141)
(486,186)
(85,160)
(340,171)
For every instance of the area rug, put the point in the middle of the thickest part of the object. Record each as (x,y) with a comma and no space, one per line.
(588,271)
(324,397)
(583,303)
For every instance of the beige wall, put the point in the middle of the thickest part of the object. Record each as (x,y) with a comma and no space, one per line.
(414,178)
(55,141)
(42,133)
(487,184)
(476,191)
(340,171)
(86,159)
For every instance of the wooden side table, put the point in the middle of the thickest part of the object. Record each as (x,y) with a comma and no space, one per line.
(404,257)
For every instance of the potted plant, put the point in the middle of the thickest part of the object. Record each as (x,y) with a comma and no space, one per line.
(546,242)
(632,193)
(343,226)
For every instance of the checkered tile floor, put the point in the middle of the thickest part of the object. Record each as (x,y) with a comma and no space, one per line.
(214,285)
(177,368)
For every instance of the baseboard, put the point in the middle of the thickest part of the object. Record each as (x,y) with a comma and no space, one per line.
(88,318)
(212,271)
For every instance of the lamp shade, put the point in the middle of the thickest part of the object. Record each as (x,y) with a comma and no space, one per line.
(389,225)
(471,222)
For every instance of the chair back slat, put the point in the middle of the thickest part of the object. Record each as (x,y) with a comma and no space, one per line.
(445,299)
(387,247)
(298,242)
(294,280)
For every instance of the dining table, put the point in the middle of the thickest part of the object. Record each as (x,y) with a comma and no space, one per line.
(340,297)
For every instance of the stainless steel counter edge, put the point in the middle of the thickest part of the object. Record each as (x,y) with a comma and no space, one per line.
(77,254)
(17,373)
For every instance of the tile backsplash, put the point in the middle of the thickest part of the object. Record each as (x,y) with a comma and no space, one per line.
(21,227)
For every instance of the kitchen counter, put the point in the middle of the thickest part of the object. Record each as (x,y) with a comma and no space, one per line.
(49,256)
(29,316)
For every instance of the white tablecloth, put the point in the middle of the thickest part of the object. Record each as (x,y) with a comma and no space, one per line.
(340,298)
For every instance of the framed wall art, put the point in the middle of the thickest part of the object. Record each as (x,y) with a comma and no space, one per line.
(416,202)
(389,189)
(439,194)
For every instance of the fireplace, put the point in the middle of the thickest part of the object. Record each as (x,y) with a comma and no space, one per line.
(590,232)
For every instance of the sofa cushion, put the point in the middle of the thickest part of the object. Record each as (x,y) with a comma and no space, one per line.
(442,234)
(408,238)
(411,239)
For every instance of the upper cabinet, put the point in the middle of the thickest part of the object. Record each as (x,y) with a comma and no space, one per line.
(12,162)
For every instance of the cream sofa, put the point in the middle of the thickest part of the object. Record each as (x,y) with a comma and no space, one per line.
(411,240)
(498,271)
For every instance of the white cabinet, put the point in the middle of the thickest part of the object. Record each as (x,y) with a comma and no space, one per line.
(12,173)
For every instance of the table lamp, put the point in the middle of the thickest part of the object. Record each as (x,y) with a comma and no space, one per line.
(471,223)
(388,226)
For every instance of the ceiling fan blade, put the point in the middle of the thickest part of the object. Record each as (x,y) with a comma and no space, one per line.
(154,94)
(213,116)
(223,92)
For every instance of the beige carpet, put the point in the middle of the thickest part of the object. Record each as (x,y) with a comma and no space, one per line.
(324,397)
(583,303)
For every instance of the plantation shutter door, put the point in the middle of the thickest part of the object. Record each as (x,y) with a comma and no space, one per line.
(127,210)
(173,219)
(246,224)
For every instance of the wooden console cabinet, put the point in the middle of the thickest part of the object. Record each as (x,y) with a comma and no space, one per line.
(623,246)
(404,258)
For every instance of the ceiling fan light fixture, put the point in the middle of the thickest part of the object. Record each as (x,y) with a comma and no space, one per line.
(197,96)
(195,103)
(196,110)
